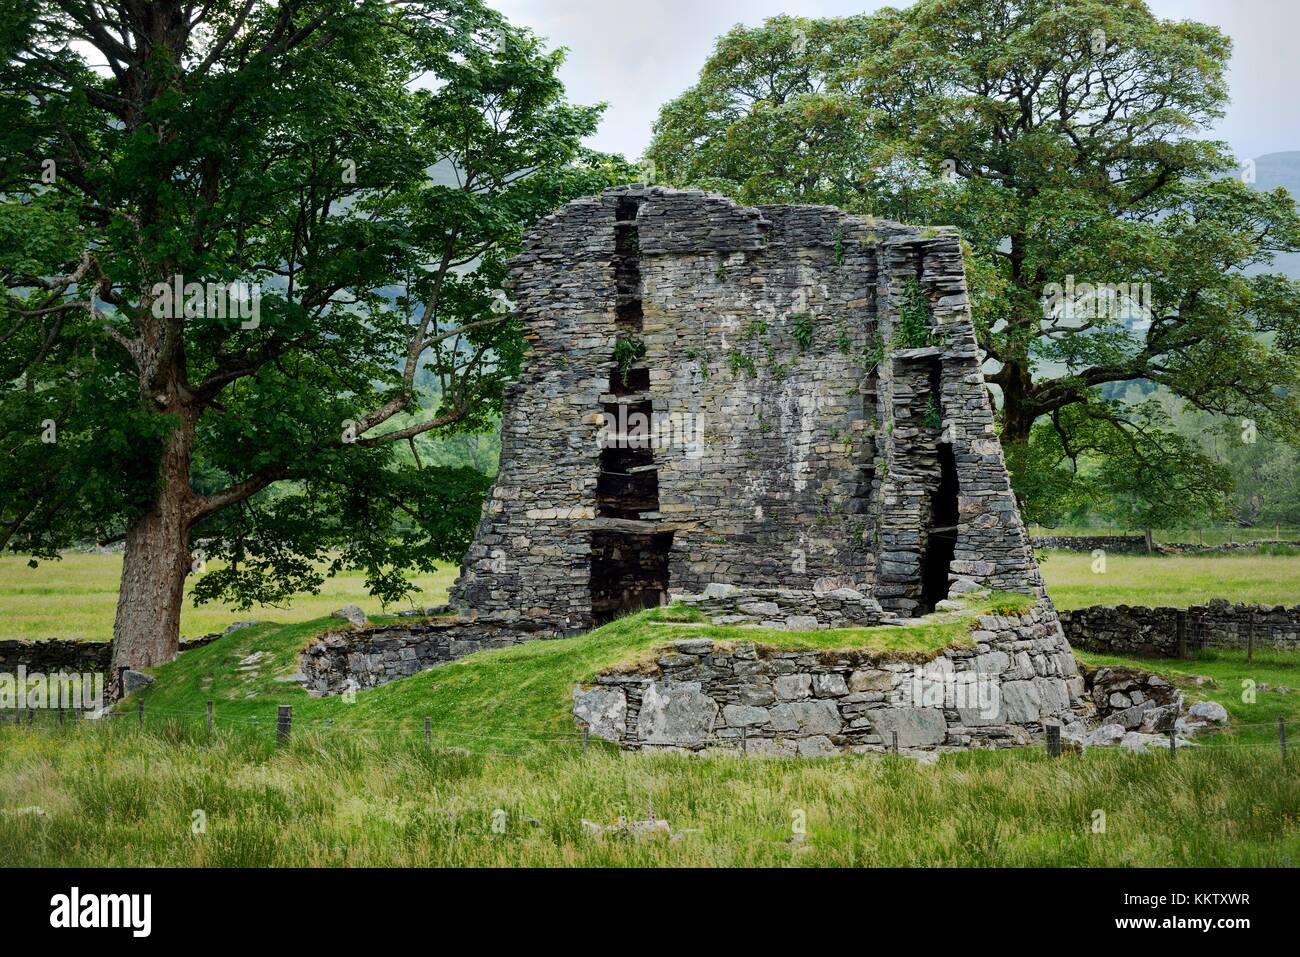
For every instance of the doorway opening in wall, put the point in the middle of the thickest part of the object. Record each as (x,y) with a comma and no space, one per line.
(941,543)
(629,572)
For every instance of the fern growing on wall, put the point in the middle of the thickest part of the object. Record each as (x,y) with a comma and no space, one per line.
(913,330)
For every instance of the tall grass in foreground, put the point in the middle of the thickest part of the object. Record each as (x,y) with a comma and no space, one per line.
(110,794)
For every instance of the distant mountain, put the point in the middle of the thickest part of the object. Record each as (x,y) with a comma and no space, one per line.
(1271,171)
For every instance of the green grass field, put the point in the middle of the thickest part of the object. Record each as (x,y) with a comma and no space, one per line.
(76,597)
(505,780)
(1167,580)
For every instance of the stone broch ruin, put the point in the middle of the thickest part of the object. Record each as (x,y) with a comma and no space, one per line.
(719,394)
(776,415)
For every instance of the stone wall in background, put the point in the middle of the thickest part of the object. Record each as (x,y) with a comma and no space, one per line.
(71,655)
(55,655)
(1018,675)
(344,660)
(1136,544)
(1134,630)
(1122,544)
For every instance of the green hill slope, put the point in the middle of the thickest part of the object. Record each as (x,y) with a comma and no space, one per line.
(512,695)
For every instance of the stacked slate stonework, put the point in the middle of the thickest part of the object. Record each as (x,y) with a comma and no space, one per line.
(774,414)
(797,443)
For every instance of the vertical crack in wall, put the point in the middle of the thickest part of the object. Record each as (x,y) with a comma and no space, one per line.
(629,559)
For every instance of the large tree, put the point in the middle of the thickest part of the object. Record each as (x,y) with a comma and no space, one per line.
(332,186)
(1066,139)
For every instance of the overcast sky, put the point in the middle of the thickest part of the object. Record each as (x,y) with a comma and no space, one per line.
(637,54)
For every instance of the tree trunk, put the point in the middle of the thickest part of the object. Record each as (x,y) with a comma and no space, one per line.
(146,631)
(1018,412)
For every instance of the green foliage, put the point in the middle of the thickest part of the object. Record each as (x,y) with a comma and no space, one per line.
(875,352)
(933,419)
(295,153)
(914,327)
(628,351)
(1051,159)
(739,362)
(1125,464)
(803,330)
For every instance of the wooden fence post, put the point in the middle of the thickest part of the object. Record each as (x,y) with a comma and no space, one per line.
(1180,620)
(895,734)
(1053,740)
(586,737)
(1281,734)
(1173,744)
(140,711)
(283,725)
(209,720)
(428,731)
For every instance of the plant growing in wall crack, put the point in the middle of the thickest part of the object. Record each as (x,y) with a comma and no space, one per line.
(695,355)
(913,329)
(739,362)
(933,415)
(803,330)
(627,352)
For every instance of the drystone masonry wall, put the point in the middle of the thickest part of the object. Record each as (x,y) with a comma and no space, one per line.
(344,660)
(55,655)
(1119,544)
(721,394)
(72,655)
(785,608)
(1155,632)
(1019,675)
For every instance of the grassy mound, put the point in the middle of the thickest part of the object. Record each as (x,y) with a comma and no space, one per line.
(513,693)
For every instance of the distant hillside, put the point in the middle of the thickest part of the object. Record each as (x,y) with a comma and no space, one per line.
(1271,171)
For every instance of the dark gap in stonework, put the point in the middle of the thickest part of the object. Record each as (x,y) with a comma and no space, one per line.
(629,572)
(629,559)
(942,540)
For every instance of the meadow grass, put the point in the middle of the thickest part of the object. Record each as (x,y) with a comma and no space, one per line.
(76,597)
(110,794)
(1177,581)
(358,785)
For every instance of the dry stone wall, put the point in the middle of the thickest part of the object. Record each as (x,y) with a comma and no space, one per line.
(1018,675)
(344,660)
(1134,630)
